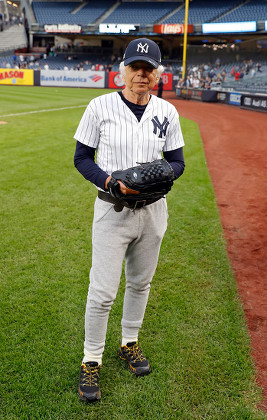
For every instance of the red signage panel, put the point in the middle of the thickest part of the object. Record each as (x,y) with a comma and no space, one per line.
(115,80)
(167,81)
(172,28)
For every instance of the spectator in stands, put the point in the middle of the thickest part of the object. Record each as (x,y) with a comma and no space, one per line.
(218,78)
(211,73)
(208,83)
(169,68)
(241,76)
(180,83)
(188,82)
(237,75)
(195,82)
(201,83)
(223,73)
(259,67)
(233,71)
(247,68)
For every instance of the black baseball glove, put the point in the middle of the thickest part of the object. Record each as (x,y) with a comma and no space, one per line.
(147,181)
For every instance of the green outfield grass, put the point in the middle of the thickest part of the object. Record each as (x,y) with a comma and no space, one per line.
(194,332)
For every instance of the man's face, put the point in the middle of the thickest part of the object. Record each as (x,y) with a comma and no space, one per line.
(140,77)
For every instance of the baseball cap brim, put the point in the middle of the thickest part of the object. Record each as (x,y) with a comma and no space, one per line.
(140,58)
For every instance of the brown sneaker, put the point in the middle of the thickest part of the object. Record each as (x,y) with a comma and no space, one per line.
(137,362)
(89,390)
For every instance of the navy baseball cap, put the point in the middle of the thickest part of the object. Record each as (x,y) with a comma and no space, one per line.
(142,49)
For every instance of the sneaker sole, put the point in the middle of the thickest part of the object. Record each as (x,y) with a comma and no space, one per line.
(136,372)
(95,397)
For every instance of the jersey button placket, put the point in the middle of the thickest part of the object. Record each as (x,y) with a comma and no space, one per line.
(139,148)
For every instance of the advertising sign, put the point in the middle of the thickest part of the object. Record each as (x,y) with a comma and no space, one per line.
(235,98)
(73,78)
(63,28)
(172,28)
(167,81)
(115,81)
(223,97)
(196,94)
(229,27)
(257,103)
(16,77)
(117,28)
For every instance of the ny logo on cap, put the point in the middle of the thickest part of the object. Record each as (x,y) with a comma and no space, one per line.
(143,48)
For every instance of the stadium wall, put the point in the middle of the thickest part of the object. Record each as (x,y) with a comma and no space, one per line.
(113,80)
(243,100)
(71,78)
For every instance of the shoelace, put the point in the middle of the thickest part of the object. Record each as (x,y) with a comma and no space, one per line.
(90,375)
(135,353)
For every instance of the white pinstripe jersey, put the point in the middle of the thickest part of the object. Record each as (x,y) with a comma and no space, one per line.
(120,139)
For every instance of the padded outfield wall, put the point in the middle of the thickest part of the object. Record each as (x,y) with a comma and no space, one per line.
(244,100)
(71,78)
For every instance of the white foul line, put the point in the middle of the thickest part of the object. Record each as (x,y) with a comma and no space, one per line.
(42,110)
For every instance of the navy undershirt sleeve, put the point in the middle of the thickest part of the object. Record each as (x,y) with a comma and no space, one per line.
(84,161)
(176,160)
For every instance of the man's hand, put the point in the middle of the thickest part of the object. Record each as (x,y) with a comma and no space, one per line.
(123,188)
(148,181)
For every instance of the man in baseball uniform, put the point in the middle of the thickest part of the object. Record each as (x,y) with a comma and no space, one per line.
(125,128)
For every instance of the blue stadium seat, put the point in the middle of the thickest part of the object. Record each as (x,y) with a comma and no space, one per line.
(60,12)
(140,12)
(202,11)
(256,10)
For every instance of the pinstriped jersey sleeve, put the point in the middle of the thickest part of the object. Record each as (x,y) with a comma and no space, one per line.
(88,128)
(174,138)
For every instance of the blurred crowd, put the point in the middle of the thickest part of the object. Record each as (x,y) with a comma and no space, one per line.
(12,20)
(205,76)
(202,76)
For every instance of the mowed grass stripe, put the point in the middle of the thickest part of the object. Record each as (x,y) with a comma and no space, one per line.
(43,110)
(16,99)
(194,331)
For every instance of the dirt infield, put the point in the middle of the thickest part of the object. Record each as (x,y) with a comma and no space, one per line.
(236,148)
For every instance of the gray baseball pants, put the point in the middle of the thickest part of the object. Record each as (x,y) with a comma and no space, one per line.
(135,236)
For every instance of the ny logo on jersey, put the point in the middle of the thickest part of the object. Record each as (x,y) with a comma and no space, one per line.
(162,127)
(142,48)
